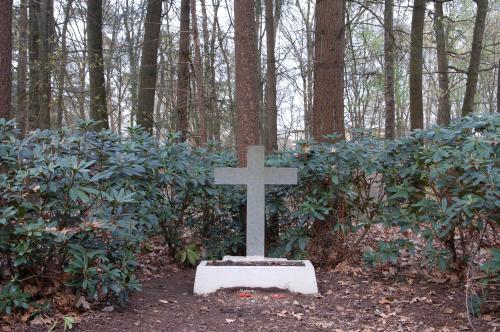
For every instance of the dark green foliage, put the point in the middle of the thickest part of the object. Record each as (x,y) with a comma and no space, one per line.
(76,205)
(12,297)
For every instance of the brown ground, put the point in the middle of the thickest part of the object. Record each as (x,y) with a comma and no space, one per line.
(353,300)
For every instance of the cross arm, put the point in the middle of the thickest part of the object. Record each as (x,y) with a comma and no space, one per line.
(230,176)
(277,175)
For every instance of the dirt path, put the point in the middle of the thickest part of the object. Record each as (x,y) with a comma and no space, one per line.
(360,303)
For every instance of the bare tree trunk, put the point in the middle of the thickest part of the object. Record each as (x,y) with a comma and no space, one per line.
(34,73)
(62,64)
(498,87)
(46,35)
(328,104)
(5,57)
(475,57)
(159,123)
(390,103)
(229,84)
(271,109)
(22,69)
(443,117)
(416,53)
(198,73)
(260,84)
(132,57)
(247,85)
(309,72)
(98,106)
(149,62)
(306,69)
(213,121)
(182,120)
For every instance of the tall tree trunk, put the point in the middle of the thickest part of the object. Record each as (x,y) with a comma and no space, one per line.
(328,104)
(247,85)
(228,82)
(132,57)
(198,73)
(390,103)
(159,121)
(62,64)
(307,68)
(22,69)
(498,87)
(5,57)
(443,117)
(475,57)
(213,122)
(46,35)
(98,107)
(271,109)
(34,57)
(149,63)
(260,91)
(182,121)
(416,63)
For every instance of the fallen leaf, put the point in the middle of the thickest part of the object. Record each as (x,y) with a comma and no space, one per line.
(385,300)
(418,299)
(282,313)
(109,308)
(439,280)
(380,313)
(323,324)
(40,320)
(82,303)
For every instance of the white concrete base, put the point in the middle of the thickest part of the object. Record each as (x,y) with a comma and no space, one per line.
(296,279)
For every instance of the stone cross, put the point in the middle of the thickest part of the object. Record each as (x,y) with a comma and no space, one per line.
(255,176)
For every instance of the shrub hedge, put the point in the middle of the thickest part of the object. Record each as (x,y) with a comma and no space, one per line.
(76,205)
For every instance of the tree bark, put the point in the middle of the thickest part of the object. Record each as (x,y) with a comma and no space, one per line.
(132,57)
(498,87)
(475,57)
(443,117)
(416,63)
(5,57)
(34,73)
(62,64)
(213,121)
(247,85)
(271,109)
(182,120)
(98,106)
(46,35)
(260,80)
(390,103)
(328,104)
(22,69)
(149,63)
(198,73)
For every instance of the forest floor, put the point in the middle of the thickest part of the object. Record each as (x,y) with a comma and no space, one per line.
(352,299)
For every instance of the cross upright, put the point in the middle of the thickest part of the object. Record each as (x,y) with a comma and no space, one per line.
(255,176)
